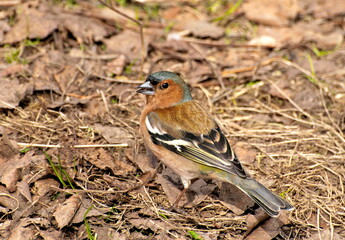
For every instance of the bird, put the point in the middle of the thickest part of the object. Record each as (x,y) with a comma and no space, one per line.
(187,139)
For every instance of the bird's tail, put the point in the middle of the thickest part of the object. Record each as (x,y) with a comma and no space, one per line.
(271,203)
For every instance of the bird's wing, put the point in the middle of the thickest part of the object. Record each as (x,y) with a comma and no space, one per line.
(210,149)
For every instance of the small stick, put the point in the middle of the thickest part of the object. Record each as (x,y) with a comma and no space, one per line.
(75,146)
(141,31)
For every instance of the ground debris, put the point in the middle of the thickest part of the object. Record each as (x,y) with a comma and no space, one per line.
(69,72)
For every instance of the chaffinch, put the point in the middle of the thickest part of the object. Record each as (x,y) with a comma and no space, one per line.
(186,138)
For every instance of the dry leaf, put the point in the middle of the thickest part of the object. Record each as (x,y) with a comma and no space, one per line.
(116,65)
(171,190)
(278,37)
(127,43)
(204,29)
(147,162)
(254,220)
(269,229)
(15,92)
(12,69)
(201,190)
(11,164)
(234,199)
(7,200)
(277,13)
(86,29)
(4,227)
(10,178)
(145,223)
(31,24)
(245,152)
(101,158)
(107,233)
(65,212)
(4,27)
(50,234)
(42,186)
(114,134)
(21,231)
(328,9)
(23,188)
(325,234)
(43,70)
(84,207)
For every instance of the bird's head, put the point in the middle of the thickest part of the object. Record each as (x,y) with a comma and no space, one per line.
(165,89)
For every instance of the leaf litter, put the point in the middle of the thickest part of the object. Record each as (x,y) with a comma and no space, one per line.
(273,81)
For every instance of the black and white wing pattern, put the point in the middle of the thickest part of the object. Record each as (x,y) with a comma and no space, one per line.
(210,149)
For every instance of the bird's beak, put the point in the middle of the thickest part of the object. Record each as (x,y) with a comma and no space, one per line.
(146,88)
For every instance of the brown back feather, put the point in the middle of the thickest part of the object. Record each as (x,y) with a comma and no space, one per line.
(189,116)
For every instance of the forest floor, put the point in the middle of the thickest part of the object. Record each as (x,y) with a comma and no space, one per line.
(73,164)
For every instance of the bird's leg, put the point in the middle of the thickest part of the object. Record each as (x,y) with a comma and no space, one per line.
(186,184)
(175,204)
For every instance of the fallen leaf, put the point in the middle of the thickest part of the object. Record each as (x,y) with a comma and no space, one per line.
(234,199)
(39,221)
(10,161)
(43,70)
(66,211)
(84,207)
(21,231)
(15,92)
(32,23)
(10,178)
(127,43)
(95,107)
(43,186)
(114,134)
(4,27)
(170,189)
(283,85)
(103,160)
(50,234)
(325,234)
(307,96)
(278,37)
(107,233)
(7,200)
(245,152)
(204,29)
(277,13)
(146,223)
(86,29)
(64,77)
(110,15)
(201,190)
(269,229)
(325,36)
(147,162)
(116,66)
(254,220)
(23,188)
(4,228)
(12,69)
(328,9)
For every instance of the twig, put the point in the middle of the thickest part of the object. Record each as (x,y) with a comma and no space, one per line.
(141,30)
(215,71)
(74,146)
(118,79)
(104,100)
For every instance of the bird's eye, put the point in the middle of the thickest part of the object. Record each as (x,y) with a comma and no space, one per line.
(165,85)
